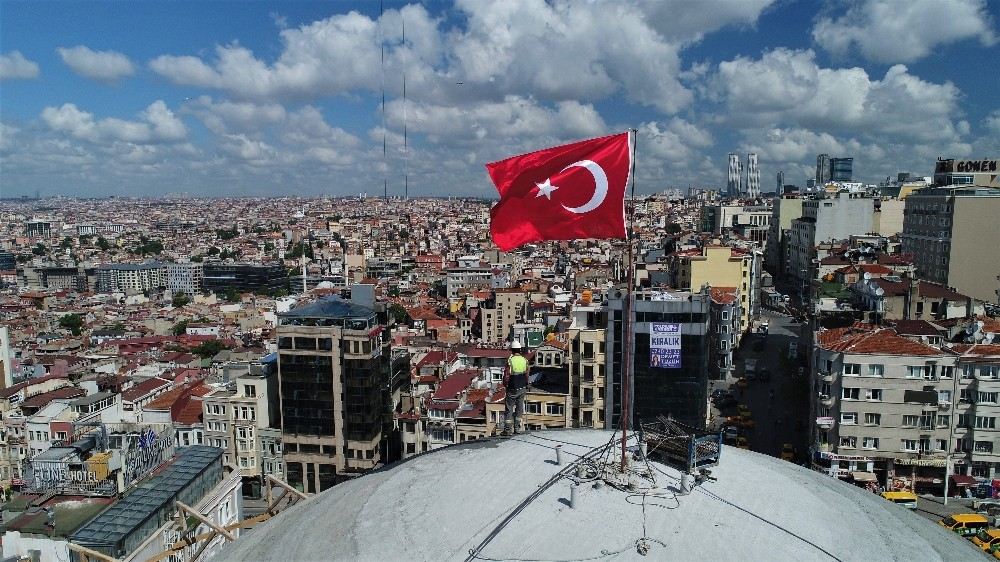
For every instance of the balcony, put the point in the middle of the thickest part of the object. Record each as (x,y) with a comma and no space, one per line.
(827,400)
(929,407)
(825,423)
(827,377)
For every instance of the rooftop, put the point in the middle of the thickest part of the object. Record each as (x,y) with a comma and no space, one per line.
(765,505)
(329,307)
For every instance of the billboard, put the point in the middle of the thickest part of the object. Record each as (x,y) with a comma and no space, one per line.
(664,345)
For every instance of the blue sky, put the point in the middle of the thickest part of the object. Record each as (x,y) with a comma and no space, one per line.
(282,98)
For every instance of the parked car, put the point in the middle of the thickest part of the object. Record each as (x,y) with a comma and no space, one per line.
(731,433)
(787,452)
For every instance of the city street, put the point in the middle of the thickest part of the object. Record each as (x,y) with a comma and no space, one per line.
(779,404)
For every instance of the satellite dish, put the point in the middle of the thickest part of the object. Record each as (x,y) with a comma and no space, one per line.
(867,276)
(879,292)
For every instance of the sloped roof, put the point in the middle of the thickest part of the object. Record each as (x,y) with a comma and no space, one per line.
(878,342)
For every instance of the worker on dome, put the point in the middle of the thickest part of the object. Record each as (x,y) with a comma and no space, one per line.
(517,387)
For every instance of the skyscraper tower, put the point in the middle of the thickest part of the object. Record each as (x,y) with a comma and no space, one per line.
(781,182)
(822,169)
(734,184)
(753,176)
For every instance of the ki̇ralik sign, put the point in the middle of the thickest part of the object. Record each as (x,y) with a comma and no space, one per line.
(664,345)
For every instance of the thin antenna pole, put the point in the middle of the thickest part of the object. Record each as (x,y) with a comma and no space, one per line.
(406,177)
(629,326)
(385,157)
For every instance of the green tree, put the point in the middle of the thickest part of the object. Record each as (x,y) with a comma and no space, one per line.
(226,234)
(103,244)
(179,300)
(231,295)
(213,251)
(23,258)
(197,258)
(117,327)
(39,249)
(72,322)
(268,247)
(673,228)
(179,328)
(85,238)
(208,348)
(66,243)
(399,314)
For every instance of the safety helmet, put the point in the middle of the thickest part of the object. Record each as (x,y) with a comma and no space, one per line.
(516,346)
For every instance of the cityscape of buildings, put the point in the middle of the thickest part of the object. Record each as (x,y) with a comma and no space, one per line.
(205,351)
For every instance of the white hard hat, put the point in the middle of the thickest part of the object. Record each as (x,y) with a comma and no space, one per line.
(515,345)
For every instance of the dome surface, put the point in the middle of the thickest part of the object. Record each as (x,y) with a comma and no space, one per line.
(504,500)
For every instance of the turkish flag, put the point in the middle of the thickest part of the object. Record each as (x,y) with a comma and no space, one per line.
(562,193)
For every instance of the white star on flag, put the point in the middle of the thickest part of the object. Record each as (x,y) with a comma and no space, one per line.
(546,188)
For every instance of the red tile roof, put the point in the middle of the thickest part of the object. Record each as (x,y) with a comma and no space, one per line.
(979,349)
(451,387)
(40,400)
(916,328)
(143,388)
(723,295)
(879,342)
(190,414)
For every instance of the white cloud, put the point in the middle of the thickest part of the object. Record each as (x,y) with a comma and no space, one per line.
(14,66)
(158,124)
(103,66)
(788,87)
(891,31)
(992,122)
(690,21)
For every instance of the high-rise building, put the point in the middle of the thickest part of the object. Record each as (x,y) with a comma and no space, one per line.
(841,169)
(245,277)
(333,368)
(184,277)
(781,183)
(823,173)
(734,179)
(682,391)
(947,230)
(753,176)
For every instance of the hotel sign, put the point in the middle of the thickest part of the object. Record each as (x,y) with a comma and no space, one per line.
(148,452)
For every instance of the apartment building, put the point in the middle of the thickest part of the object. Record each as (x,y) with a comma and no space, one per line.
(883,404)
(130,278)
(469,272)
(241,418)
(187,278)
(726,328)
(498,315)
(946,229)
(719,266)
(977,433)
(784,210)
(333,361)
(586,361)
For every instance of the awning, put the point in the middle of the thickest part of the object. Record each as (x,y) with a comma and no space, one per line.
(860,476)
(963,480)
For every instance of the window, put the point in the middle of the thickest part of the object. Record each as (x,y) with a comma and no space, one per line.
(852,369)
(943,421)
(964,420)
(848,442)
(987,397)
(965,396)
(990,371)
(944,396)
(249,390)
(849,418)
(532,408)
(983,446)
(869,442)
(851,393)
(911,421)
(875,394)
(940,444)
(876,370)
(555,409)
(915,372)
(985,422)
(967,371)
(910,445)
(873,419)
(947,371)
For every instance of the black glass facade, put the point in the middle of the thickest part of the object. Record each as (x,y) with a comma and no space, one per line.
(307,394)
(252,278)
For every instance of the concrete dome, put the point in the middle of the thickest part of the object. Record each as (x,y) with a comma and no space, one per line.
(444,504)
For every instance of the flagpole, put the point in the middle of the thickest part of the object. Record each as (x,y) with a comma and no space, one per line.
(629,326)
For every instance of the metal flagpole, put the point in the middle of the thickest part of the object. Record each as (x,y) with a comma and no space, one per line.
(629,317)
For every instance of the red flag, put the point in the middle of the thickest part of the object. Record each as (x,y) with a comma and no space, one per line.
(562,193)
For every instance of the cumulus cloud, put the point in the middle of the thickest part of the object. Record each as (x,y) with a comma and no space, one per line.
(158,124)
(103,66)
(992,122)
(14,66)
(891,31)
(788,86)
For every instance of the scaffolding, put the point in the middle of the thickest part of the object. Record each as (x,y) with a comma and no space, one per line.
(684,447)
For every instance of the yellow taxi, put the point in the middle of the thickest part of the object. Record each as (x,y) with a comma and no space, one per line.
(905,499)
(965,524)
(987,539)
